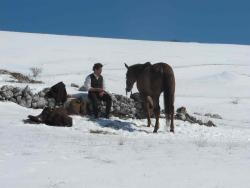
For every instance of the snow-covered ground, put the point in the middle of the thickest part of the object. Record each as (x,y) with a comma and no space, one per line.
(210,78)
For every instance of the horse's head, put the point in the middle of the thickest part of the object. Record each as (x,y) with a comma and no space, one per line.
(130,78)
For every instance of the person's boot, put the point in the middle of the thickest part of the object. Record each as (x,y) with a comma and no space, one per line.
(107,116)
(96,115)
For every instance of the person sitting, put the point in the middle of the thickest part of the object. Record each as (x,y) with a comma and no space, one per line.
(94,83)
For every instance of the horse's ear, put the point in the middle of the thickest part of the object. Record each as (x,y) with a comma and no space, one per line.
(147,64)
(126,65)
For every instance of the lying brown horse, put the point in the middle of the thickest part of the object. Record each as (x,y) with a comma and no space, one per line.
(151,80)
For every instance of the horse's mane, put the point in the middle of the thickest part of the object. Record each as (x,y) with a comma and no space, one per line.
(137,68)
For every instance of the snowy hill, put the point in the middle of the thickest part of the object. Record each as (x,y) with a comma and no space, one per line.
(210,78)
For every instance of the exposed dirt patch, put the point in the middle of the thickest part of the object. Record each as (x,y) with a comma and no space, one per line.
(19,77)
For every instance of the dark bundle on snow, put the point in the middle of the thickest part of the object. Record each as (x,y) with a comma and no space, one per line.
(52,116)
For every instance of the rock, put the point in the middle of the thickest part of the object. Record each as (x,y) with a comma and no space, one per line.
(13,100)
(51,102)
(18,93)
(192,119)
(138,105)
(16,89)
(208,114)
(210,124)
(136,97)
(34,105)
(133,110)
(41,103)
(19,99)
(182,110)
(41,94)
(215,116)
(45,90)
(28,97)
(2,71)
(6,88)
(35,98)
(74,85)
(2,88)
(23,103)
(181,116)
(199,122)
(27,91)
(117,108)
(7,94)
(197,113)
(28,103)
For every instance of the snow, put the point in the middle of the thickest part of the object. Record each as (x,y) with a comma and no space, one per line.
(211,78)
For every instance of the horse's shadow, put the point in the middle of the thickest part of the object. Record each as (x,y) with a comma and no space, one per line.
(116,124)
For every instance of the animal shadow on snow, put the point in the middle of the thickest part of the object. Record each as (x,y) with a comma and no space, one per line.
(116,124)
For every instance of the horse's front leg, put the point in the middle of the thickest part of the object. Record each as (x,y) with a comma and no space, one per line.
(148,113)
(157,116)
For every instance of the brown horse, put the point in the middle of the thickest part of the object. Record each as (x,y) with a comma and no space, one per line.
(151,80)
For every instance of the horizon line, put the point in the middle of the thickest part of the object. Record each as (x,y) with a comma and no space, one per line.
(121,38)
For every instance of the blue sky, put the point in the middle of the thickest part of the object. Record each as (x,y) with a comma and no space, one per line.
(210,21)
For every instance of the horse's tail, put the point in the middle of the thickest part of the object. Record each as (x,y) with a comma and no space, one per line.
(169,90)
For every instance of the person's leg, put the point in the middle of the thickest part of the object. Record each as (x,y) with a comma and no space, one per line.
(94,101)
(107,98)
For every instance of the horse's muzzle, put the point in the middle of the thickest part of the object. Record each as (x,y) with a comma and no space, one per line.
(127,90)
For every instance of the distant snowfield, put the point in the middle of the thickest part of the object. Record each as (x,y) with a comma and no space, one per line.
(210,78)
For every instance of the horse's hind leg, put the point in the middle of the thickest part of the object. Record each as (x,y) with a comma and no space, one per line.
(172,119)
(148,108)
(157,116)
(172,123)
(148,114)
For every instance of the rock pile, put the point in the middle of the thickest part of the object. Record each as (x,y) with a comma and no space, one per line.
(181,114)
(138,102)
(25,97)
(122,106)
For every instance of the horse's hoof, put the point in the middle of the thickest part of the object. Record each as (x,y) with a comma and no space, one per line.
(155,130)
(148,125)
(172,130)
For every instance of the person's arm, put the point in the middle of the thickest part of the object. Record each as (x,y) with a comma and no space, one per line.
(87,83)
(103,85)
